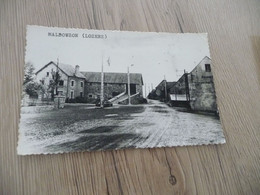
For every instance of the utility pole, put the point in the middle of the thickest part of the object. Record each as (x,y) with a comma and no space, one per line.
(102,85)
(187,86)
(128,82)
(165,83)
(57,82)
(145,90)
(56,75)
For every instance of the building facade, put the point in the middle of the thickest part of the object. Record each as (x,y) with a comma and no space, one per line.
(87,85)
(159,92)
(201,87)
(114,84)
(197,88)
(71,82)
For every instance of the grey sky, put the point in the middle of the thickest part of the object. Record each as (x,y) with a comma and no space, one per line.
(153,54)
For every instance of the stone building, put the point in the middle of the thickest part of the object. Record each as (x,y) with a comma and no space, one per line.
(201,87)
(87,85)
(71,83)
(159,92)
(197,88)
(114,84)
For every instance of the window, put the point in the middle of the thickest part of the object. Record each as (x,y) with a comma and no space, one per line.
(207,68)
(191,77)
(81,84)
(61,83)
(48,74)
(60,92)
(81,94)
(90,95)
(72,83)
(71,94)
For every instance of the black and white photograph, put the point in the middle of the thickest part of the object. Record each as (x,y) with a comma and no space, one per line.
(91,90)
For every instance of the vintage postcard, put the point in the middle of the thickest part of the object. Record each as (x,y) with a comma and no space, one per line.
(88,90)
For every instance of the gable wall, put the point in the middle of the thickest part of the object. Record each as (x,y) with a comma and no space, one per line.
(201,87)
(66,88)
(42,76)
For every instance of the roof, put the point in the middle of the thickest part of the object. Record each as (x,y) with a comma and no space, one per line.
(69,70)
(194,67)
(200,63)
(112,77)
(169,85)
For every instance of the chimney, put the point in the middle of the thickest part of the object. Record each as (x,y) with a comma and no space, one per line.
(76,69)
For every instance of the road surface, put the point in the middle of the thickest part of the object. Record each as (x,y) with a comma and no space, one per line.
(81,127)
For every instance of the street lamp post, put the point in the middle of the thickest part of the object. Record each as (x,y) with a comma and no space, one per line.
(102,86)
(128,84)
(102,96)
(165,88)
(145,90)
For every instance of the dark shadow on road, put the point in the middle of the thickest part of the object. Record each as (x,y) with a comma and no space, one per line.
(203,113)
(161,111)
(100,129)
(96,142)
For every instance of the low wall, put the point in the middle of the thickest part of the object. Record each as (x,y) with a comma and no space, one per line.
(135,99)
(27,101)
(185,104)
(59,102)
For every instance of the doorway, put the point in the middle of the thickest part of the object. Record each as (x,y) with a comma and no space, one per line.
(132,89)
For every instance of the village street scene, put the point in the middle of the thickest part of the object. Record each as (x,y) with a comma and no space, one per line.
(91,110)
(104,90)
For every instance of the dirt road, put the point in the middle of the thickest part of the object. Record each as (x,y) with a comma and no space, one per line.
(161,125)
(82,127)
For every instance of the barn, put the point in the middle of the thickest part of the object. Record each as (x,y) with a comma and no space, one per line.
(114,84)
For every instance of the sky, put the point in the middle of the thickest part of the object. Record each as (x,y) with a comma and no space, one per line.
(155,55)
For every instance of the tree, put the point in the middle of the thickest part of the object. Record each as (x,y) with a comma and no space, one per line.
(32,88)
(28,73)
(53,86)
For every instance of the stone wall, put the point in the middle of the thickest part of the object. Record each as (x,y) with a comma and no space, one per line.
(201,88)
(202,97)
(92,90)
(59,102)
(139,89)
(134,99)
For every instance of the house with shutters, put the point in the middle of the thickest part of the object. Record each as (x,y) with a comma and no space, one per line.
(71,82)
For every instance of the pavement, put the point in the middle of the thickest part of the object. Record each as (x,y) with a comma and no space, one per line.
(79,127)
